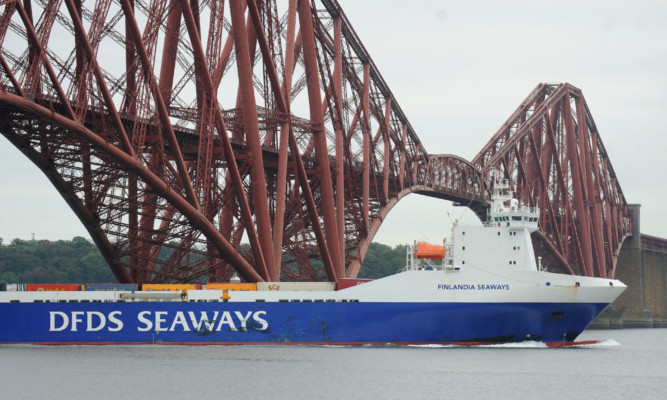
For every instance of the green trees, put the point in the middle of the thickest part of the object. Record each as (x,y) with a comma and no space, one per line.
(382,260)
(79,261)
(43,261)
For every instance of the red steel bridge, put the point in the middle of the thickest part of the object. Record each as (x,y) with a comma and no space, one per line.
(176,129)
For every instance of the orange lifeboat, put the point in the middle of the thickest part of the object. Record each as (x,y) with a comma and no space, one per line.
(429,251)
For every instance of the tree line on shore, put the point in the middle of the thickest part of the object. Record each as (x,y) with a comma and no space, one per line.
(79,261)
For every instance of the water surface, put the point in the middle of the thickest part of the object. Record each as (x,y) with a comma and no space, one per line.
(626,364)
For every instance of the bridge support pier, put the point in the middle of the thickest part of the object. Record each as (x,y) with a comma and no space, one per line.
(630,268)
(642,265)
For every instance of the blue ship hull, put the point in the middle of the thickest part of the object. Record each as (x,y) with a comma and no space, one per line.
(292,323)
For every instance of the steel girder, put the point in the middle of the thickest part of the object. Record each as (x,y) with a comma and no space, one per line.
(249,121)
(552,154)
(221,122)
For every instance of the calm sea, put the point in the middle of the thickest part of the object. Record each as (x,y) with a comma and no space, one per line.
(626,364)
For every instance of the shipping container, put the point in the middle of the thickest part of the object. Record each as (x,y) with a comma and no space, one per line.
(296,286)
(148,287)
(52,287)
(105,287)
(231,286)
(429,251)
(15,287)
(153,295)
(345,283)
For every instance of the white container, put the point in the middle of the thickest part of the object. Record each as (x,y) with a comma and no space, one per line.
(15,287)
(296,286)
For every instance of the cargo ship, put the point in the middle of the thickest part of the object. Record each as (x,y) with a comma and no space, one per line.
(483,285)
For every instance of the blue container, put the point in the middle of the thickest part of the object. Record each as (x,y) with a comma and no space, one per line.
(108,287)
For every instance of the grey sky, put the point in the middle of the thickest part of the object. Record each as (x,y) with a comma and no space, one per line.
(459,69)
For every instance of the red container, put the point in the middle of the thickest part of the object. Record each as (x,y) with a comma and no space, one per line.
(345,283)
(52,287)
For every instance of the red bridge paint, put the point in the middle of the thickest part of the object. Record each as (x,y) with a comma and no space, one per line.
(260,168)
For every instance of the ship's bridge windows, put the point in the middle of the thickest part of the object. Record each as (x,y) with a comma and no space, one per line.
(516,218)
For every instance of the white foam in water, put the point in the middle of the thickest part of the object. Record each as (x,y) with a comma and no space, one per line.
(513,345)
(525,345)
(517,345)
(542,345)
(604,343)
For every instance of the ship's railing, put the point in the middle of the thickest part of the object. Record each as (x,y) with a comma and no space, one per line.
(518,210)
(413,263)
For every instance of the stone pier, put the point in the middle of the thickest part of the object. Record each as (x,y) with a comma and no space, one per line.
(642,265)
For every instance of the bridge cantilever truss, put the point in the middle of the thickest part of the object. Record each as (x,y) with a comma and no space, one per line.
(551,152)
(252,120)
